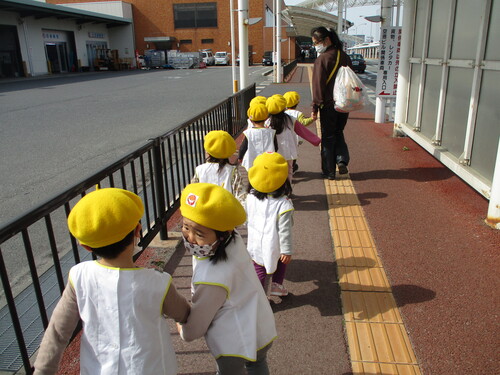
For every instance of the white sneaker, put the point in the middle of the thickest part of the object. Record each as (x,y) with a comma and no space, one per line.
(278,290)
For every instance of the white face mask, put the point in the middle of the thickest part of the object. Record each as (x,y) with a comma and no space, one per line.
(320,48)
(200,250)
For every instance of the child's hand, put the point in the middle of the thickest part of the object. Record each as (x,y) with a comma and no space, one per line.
(285,259)
(179,327)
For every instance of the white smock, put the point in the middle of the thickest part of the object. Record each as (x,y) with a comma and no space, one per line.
(287,140)
(209,173)
(262,223)
(260,140)
(245,323)
(124,331)
(294,114)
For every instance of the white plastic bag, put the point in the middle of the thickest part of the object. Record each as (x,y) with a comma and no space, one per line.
(349,93)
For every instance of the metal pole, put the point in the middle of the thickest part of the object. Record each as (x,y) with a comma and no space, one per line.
(233,47)
(493,218)
(279,69)
(340,17)
(274,40)
(385,12)
(243,41)
(404,62)
(159,189)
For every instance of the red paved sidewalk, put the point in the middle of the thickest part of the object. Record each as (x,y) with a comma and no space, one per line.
(441,259)
(428,225)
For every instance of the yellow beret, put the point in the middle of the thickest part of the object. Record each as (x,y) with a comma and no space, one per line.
(219,144)
(105,216)
(292,98)
(211,206)
(269,172)
(276,104)
(257,112)
(258,100)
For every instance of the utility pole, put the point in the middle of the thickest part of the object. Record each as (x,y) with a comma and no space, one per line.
(279,69)
(243,41)
(233,47)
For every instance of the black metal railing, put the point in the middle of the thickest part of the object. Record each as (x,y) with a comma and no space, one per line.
(288,68)
(157,172)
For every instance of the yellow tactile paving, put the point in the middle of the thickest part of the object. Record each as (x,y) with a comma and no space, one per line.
(376,335)
(359,368)
(370,307)
(368,279)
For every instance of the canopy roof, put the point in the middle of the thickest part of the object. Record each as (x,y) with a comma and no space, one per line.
(37,9)
(305,19)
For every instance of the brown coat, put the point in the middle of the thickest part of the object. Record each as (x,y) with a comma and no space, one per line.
(322,93)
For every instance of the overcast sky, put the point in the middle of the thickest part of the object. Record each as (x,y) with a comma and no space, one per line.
(361,26)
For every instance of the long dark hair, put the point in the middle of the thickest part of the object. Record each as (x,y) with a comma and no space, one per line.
(320,33)
(225,238)
(279,121)
(285,189)
(221,162)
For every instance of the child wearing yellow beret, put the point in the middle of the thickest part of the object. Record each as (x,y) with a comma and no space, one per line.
(122,307)
(256,100)
(229,306)
(258,138)
(292,101)
(217,169)
(270,220)
(284,126)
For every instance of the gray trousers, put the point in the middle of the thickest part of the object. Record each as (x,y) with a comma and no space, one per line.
(240,366)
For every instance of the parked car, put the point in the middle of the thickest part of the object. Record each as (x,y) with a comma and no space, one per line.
(358,62)
(208,57)
(221,58)
(249,60)
(267,59)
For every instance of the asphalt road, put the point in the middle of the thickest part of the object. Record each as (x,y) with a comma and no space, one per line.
(56,131)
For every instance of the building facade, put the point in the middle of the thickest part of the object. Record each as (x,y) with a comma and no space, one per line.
(193,25)
(39,38)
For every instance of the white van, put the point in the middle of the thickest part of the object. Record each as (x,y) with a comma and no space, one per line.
(208,57)
(221,58)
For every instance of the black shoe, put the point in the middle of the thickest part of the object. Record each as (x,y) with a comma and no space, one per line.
(295,167)
(343,168)
(330,176)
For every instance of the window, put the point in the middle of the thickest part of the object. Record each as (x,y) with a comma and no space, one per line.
(195,15)
(185,41)
(207,41)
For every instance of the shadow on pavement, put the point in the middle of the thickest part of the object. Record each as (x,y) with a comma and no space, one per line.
(415,174)
(406,294)
(326,294)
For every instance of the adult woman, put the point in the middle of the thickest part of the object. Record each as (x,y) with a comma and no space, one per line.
(334,150)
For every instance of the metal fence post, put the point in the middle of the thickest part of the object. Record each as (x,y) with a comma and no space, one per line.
(230,116)
(159,188)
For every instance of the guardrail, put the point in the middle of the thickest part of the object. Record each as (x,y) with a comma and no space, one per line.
(157,172)
(288,68)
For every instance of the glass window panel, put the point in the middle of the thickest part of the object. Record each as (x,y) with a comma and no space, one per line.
(457,109)
(466,30)
(487,132)
(184,16)
(431,100)
(412,101)
(493,41)
(206,15)
(439,28)
(420,27)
